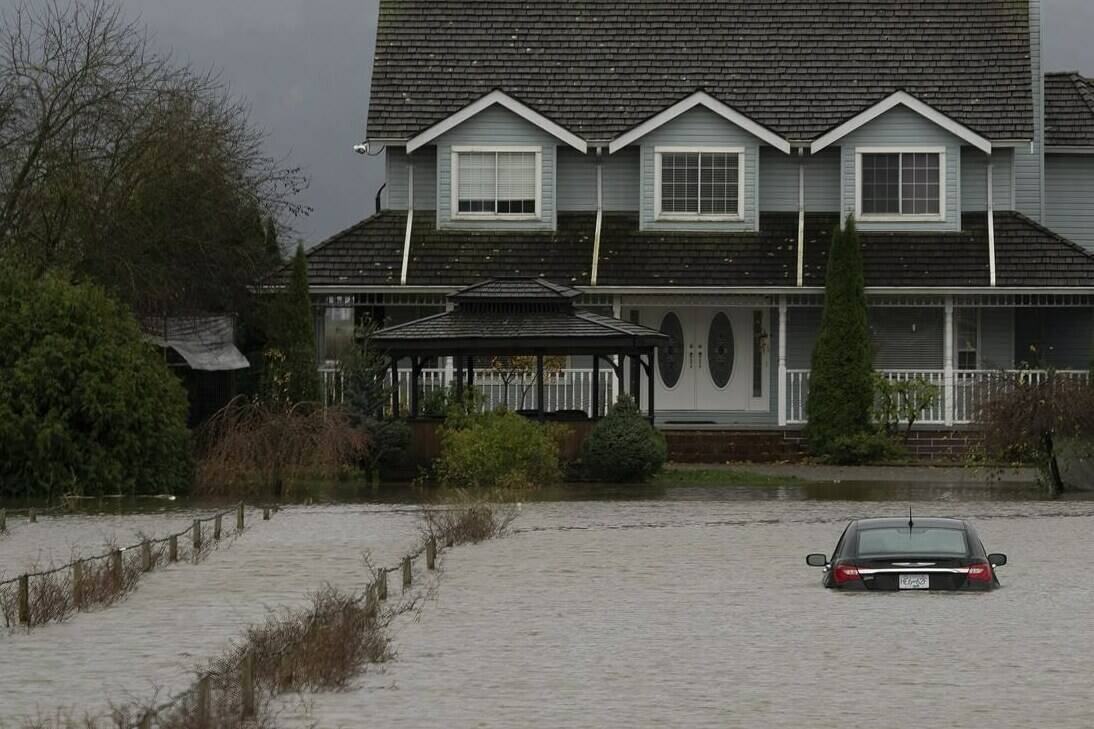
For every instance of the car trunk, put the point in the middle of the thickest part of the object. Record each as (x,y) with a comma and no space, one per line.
(887,576)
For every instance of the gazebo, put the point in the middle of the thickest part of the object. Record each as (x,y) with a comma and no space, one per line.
(520,317)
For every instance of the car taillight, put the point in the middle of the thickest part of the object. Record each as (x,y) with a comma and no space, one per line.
(845,573)
(980,572)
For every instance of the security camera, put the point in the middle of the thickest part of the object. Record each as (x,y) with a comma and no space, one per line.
(361,148)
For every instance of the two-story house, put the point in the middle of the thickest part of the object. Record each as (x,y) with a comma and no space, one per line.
(684,163)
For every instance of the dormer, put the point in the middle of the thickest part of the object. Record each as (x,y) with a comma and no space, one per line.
(901,165)
(496,161)
(699,166)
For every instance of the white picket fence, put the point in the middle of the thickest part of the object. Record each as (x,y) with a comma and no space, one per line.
(570,389)
(970,389)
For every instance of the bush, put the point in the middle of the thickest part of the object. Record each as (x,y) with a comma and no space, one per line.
(841,386)
(291,371)
(367,394)
(86,406)
(624,446)
(850,450)
(498,450)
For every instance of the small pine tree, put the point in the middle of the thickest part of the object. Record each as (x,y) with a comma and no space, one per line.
(841,390)
(292,374)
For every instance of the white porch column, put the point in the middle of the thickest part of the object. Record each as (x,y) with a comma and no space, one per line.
(947,378)
(449,373)
(782,360)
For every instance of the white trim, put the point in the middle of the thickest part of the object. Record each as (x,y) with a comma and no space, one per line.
(700,98)
(991,227)
(901,218)
(781,399)
(457,150)
(409,221)
(902,98)
(659,216)
(501,99)
(801,223)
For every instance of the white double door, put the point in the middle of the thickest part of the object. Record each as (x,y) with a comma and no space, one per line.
(715,360)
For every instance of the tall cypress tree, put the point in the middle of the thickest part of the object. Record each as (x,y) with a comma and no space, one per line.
(841,390)
(292,373)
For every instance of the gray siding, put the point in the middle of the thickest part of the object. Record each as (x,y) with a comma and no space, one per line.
(779,181)
(577,180)
(974,179)
(700,127)
(903,127)
(425,178)
(495,126)
(1029,163)
(1069,196)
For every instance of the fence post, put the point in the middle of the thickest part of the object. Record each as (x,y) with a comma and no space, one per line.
(381,584)
(78,584)
(197,537)
(247,685)
(24,600)
(216,529)
(265,513)
(406,573)
(33,515)
(203,701)
(116,568)
(431,554)
(146,556)
(173,548)
(239,517)
(3,520)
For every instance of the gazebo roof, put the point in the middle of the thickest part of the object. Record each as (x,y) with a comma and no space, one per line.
(517,316)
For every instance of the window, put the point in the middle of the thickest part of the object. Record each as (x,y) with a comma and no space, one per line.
(496,182)
(698,183)
(901,184)
(967,327)
(920,541)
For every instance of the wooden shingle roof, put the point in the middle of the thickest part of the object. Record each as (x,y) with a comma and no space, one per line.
(1069,110)
(798,67)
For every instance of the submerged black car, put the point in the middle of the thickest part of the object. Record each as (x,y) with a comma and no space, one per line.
(909,554)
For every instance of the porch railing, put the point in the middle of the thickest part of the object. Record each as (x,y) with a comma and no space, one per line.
(971,388)
(570,389)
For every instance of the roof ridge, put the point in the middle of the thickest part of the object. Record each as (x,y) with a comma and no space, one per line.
(1048,231)
(1083,87)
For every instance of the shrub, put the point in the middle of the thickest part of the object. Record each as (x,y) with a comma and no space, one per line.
(291,372)
(498,450)
(624,446)
(86,406)
(841,387)
(903,401)
(848,450)
(367,393)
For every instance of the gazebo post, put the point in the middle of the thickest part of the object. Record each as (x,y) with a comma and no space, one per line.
(470,371)
(620,382)
(649,383)
(636,379)
(596,387)
(539,387)
(395,387)
(415,374)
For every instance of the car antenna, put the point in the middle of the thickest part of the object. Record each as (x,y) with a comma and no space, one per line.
(910,524)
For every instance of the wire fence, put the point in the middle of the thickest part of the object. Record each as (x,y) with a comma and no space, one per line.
(35,598)
(233,691)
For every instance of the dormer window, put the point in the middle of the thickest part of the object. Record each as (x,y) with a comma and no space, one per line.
(900,184)
(698,183)
(496,183)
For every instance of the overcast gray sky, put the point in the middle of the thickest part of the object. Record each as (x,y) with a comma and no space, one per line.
(305,66)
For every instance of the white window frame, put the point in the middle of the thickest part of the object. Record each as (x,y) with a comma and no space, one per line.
(964,311)
(455,185)
(902,217)
(659,215)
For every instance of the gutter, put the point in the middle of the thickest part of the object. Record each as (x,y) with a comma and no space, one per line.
(599,214)
(409,220)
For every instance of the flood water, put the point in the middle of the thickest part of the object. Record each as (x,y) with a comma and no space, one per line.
(685,607)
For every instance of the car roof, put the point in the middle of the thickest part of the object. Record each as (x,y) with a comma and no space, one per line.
(889,522)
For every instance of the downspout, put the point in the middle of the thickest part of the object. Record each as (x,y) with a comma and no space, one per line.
(801,218)
(991,227)
(409,220)
(599,214)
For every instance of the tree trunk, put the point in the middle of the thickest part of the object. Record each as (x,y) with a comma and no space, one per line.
(1055,482)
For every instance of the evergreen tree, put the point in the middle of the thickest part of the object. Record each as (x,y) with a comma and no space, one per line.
(292,374)
(273,245)
(841,390)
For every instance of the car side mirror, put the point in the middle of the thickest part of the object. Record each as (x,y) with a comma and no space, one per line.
(997,559)
(820,560)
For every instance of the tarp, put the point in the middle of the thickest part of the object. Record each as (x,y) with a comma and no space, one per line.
(207,343)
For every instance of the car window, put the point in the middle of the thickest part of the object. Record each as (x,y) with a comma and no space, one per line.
(926,541)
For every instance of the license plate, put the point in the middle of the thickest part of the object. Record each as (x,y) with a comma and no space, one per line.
(915,582)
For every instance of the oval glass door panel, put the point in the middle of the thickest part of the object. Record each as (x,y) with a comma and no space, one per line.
(720,350)
(670,357)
